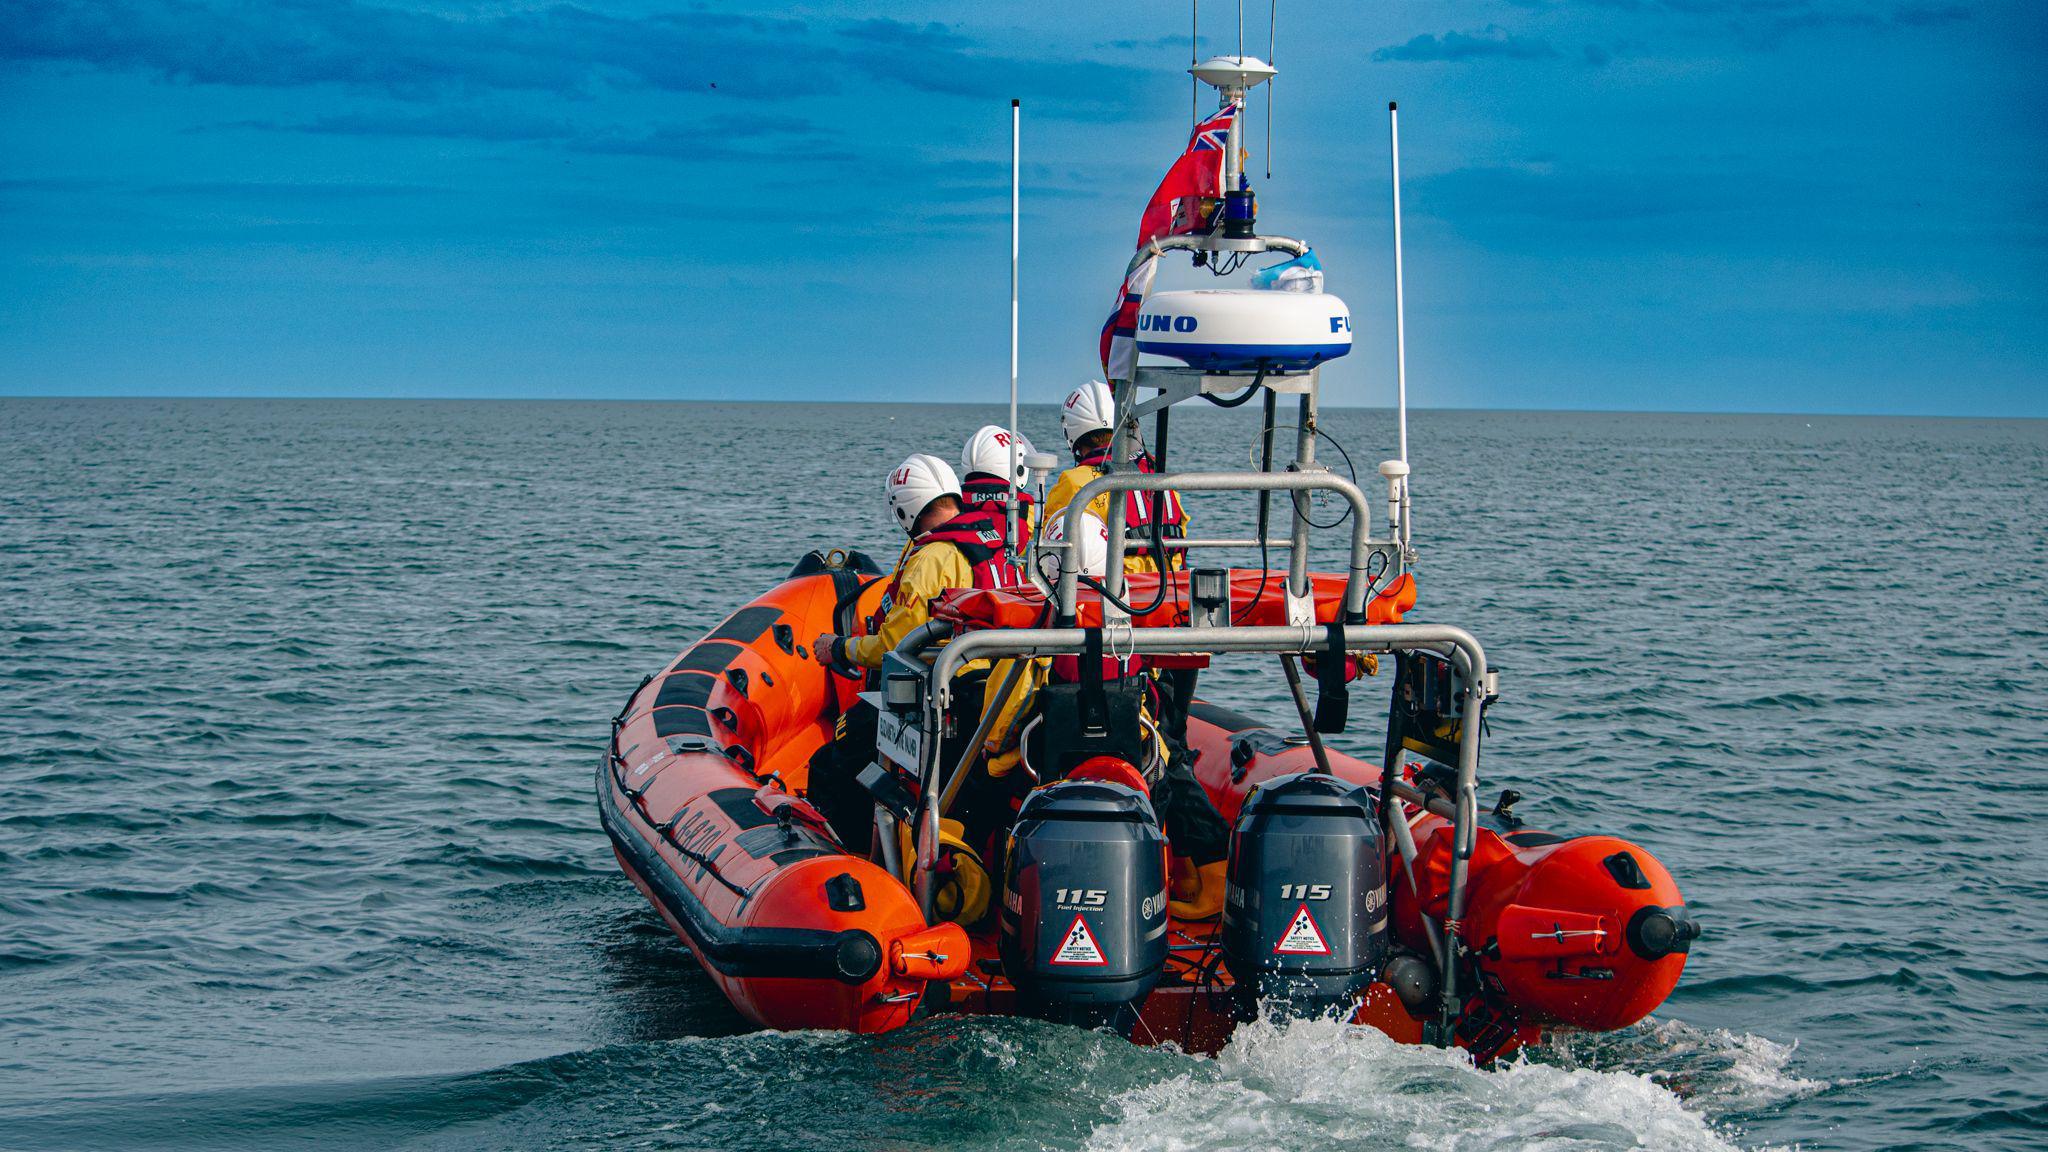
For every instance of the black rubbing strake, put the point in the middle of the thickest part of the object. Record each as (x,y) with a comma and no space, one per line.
(1228,719)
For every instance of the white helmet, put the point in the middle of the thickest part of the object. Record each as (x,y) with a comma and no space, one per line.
(988,451)
(919,480)
(1089,408)
(1093,547)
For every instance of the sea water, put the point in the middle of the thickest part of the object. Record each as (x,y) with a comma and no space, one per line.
(300,705)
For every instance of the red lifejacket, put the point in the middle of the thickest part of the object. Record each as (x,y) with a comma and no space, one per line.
(979,534)
(981,490)
(982,535)
(1138,505)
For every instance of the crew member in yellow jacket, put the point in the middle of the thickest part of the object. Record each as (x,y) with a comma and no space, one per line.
(1198,832)
(951,546)
(1087,418)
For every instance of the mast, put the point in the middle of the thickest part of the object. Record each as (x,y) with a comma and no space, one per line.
(1400,309)
(1010,492)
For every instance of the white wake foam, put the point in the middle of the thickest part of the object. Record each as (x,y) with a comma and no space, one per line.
(1718,1072)
(1319,1084)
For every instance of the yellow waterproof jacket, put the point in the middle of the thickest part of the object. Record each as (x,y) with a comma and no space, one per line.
(1068,486)
(924,574)
(921,576)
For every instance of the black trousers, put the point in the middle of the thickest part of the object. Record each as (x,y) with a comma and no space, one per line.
(835,787)
(1193,825)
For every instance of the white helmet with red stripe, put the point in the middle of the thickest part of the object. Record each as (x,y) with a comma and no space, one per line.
(919,480)
(1089,408)
(1093,547)
(990,451)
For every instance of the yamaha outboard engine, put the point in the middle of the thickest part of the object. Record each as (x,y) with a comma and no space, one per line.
(1305,919)
(1084,903)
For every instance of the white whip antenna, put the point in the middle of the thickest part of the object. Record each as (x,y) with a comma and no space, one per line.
(1240,29)
(1272,33)
(1400,305)
(1194,52)
(1016,163)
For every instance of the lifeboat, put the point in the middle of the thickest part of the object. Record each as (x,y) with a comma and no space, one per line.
(825,882)
(704,793)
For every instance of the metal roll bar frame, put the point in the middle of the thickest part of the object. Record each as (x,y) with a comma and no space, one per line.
(947,655)
(1297,562)
(935,644)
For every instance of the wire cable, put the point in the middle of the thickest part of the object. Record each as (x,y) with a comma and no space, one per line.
(1238,400)
(1301,498)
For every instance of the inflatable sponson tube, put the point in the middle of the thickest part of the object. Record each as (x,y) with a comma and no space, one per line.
(851,956)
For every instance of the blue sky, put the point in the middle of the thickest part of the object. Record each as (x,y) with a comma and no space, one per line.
(1777,205)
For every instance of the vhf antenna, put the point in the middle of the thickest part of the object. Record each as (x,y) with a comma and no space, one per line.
(1400,305)
(1016,169)
(1272,27)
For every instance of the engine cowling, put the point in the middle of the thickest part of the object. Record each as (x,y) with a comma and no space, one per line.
(1305,922)
(1083,926)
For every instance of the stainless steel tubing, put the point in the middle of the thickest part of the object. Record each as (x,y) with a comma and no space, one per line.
(1220,542)
(925,832)
(1455,643)
(1465,824)
(991,707)
(997,642)
(1304,460)
(1354,590)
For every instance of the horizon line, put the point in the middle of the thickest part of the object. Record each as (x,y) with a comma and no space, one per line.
(443,399)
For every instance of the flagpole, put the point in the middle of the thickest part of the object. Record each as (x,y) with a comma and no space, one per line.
(1016,157)
(1400,305)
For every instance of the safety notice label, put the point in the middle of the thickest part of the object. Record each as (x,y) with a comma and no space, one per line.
(1302,938)
(1079,947)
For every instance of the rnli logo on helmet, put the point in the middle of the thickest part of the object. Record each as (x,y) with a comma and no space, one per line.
(1159,323)
(900,476)
(1002,439)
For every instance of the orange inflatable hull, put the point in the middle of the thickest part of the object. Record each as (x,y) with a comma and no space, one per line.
(702,794)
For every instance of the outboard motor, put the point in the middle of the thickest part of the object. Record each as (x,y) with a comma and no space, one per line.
(1084,903)
(1305,918)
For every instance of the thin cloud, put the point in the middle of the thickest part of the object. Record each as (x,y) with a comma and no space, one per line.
(707,143)
(1489,43)
(562,49)
(450,124)
(1170,40)
(1923,15)
(931,37)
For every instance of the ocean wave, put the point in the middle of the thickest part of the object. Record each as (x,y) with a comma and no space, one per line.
(1719,1072)
(1321,1084)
